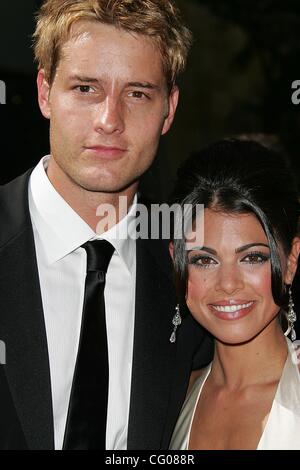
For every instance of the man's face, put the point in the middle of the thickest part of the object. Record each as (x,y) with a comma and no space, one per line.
(108,106)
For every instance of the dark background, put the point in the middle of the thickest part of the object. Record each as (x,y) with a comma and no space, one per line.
(246,55)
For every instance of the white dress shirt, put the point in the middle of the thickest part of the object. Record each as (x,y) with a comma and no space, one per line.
(59,233)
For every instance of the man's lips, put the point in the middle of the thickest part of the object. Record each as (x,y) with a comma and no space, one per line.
(105,151)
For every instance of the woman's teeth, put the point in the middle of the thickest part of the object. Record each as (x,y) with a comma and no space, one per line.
(231,308)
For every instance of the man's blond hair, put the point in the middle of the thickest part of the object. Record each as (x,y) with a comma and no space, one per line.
(158,19)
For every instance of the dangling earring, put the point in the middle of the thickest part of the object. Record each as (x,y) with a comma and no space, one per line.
(176,322)
(291,317)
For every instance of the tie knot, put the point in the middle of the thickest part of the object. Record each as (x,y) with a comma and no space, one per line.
(99,253)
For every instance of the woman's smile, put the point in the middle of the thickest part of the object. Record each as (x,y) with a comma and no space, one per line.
(232,312)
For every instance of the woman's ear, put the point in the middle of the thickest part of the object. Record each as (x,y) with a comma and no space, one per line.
(171,250)
(292,262)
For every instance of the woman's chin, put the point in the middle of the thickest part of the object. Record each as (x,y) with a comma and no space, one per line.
(235,338)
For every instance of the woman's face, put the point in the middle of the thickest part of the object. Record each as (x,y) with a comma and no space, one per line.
(229,278)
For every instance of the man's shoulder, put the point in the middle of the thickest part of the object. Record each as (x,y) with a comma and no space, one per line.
(14,209)
(16,185)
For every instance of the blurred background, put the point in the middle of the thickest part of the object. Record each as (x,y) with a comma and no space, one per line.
(245,57)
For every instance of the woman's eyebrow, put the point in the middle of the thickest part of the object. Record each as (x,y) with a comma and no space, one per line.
(250,245)
(203,248)
(238,250)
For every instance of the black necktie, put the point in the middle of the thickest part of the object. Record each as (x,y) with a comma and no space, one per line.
(86,420)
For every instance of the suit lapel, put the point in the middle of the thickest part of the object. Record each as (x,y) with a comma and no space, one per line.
(22,321)
(153,359)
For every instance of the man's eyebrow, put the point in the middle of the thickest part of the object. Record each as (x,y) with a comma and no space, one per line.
(83,79)
(238,250)
(150,86)
(78,78)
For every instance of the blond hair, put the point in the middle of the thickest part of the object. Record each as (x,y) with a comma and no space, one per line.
(158,19)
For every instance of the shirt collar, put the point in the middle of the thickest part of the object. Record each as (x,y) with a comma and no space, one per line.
(61,230)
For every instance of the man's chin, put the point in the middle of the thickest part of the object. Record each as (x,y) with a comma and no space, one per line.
(108,187)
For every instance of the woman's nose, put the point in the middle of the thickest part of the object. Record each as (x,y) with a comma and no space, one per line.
(229,279)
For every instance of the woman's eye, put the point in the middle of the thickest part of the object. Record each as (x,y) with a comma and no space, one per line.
(255,258)
(202,261)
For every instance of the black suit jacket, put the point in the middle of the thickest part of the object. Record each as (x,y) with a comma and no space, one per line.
(160,369)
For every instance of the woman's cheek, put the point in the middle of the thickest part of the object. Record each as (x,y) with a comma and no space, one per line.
(196,291)
(260,281)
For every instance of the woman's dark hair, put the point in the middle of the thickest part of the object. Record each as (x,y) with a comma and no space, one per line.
(235,177)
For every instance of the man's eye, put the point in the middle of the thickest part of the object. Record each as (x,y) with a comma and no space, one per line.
(137,94)
(84,88)
(255,258)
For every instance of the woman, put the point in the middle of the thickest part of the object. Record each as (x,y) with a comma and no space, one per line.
(237,284)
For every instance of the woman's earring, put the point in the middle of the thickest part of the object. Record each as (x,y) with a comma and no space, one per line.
(291,317)
(176,322)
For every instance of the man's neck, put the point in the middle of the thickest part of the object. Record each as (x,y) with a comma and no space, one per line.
(92,206)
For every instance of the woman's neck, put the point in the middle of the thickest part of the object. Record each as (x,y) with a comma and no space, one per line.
(256,362)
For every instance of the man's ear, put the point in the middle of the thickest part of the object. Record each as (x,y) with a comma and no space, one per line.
(171,250)
(292,261)
(172,105)
(43,94)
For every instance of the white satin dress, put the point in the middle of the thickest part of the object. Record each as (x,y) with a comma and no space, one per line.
(282,429)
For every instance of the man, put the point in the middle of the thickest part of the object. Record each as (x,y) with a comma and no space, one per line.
(106,82)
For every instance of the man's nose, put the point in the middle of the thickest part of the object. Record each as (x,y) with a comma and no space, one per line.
(229,279)
(109,117)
